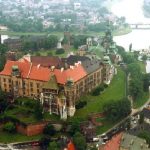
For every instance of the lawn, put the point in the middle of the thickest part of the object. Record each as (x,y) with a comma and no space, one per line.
(141,101)
(142,66)
(60,34)
(9,138)
(107,125)
(115,91)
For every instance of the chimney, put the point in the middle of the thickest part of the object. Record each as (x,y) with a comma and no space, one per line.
(62,69)
(38,66)
(79,62)
(71,67)
(52,68)
(76,64)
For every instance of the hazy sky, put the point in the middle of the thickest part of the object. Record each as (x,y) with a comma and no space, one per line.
(131,9)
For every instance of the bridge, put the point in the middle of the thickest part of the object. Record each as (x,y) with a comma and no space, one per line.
(140,26)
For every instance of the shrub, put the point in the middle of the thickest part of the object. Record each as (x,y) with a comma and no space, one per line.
(49,54)
(49,130)
(81,104)
(60,51)
(97,90)
(9,127)
(105,85)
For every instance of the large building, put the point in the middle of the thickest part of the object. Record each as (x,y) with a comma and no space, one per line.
(57,83)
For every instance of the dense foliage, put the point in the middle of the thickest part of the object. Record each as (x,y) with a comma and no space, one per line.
(116,110)
(38,111)
(79,141)
(49,130)
(145,135)
(9,127)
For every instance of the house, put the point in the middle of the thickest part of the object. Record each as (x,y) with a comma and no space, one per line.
(130,142)
(112,144)
(57,88)
(124,141)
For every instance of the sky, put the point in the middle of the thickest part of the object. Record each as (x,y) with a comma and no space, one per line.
(131,9)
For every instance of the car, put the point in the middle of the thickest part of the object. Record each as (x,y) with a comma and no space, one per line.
(95,139)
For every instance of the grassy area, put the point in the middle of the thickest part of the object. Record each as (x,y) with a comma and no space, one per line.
(10,138)
(142,65)
(115,91)
(107,125)
(60,34)
(141,101)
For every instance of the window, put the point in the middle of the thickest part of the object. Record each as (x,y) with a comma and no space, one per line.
(31,84)
(9,80)
(38,85)
(4,79)
(38,91)
(31,89)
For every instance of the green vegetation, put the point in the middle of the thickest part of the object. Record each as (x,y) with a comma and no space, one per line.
(79,141)
(107,124)
(25,111)
(145,135)
(49,130)
(142,66)
(9,127)
(7,137)
(116,110)
(60,34)
(115,91)
(141,100)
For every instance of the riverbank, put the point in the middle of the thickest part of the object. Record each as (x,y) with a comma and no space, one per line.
(89,33)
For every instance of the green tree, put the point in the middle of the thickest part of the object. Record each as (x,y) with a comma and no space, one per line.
(146,82)
(49,130)
(75,127)
(53,146)
(144,58)
(141,120)
(38,111)
(116,110)
(145,135)
(79,141)
(9,127)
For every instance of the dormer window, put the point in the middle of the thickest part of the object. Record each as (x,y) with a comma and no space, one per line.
(15,71)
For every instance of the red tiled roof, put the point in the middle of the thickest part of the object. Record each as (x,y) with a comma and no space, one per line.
(75,74)
(70,146)
(46,61)
(114,143)
(24,68)
(43,74)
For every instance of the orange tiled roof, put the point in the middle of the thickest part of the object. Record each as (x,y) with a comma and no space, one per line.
(24,68)
(27,70)
(76,73)
(71,146)
(114,143)
(39,73)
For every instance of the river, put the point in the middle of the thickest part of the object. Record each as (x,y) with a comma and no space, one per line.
(132,10)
